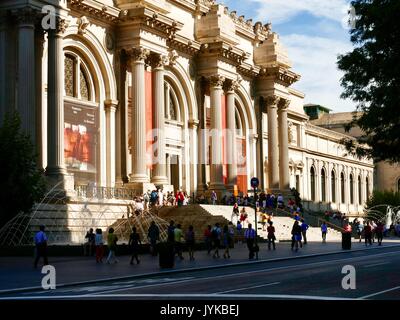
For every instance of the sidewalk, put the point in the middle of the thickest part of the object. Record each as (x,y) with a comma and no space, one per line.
(18,272)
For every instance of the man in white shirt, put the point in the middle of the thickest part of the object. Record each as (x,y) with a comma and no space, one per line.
(160,198)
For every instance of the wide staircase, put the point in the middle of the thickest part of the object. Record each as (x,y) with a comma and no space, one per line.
(283,223)
(194,215)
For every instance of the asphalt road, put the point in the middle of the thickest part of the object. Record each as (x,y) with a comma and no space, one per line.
(377,276)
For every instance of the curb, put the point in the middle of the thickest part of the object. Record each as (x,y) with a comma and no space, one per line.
(166,272)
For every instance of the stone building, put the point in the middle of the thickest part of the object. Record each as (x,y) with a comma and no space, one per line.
(182,94)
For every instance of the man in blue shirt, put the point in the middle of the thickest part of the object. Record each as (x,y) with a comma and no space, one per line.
(304,228)
(250,236)
(41,246)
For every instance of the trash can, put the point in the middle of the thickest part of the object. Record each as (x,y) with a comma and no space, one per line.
(166,254)
(346,240)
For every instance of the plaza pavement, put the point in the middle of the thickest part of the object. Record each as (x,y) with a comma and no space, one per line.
(18,274)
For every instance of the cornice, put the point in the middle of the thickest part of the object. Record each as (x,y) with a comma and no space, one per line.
(310,128)
(183,44)
(150,18)
(95,9)
(223,50)
(280,74)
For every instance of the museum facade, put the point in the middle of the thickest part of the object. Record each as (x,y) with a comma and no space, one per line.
(181,94)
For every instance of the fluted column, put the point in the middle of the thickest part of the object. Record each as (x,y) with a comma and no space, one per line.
(110,108)
(55,103)
(26,70)
(138,57)
(231,133)
(3,65)
(39,42)
(216,173)
(159,170)
(273,150)
(284,178)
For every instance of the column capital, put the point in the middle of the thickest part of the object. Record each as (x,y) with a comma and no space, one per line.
(158,61)
(138,54)
(216,80)
(283,104)
(272,100)
(26,16)
(232,85)
(110,105)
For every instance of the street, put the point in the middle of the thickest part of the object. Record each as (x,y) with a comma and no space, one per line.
(377,277)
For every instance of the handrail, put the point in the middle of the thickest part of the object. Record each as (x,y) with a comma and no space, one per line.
(331,225)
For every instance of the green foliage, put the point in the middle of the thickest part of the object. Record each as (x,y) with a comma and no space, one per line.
(378,202)
(22,183)
(372,79)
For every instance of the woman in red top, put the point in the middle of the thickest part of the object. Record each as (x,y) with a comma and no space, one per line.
(271,235)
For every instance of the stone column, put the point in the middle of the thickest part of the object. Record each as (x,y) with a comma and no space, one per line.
(159,170)
(26,70)
(110,108)
(138,57)
(284,179)
(202,136)
(55,104)
(193,153)
(273,150)
(3,65)
(39,41)
(216,173)
(231,134)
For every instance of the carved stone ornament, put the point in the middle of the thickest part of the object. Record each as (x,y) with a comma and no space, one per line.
(272,100)
(283,104)
(217,80)
(139,54)
(172,56)
(158,60)
(83,23)
(61,25)
(109,41)
(290,132)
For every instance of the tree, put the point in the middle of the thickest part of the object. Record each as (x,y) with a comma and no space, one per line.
(21,183)
(372,79)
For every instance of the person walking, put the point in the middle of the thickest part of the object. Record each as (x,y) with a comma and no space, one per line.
(214,197)
(178,237)
(41,247)
(304,228)
(368,234)
(239,229)
(134,242)
(112,246)
(296,236)
(170,231)
(99,246)
(208,239)
(360,228)
(154,235)
(271,235)
(235,212)
(90,243)
(216,238)
(189,238)
(324,230)
(226,241)
(250,236)
(379,232)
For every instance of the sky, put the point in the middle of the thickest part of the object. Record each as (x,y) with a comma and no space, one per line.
(314,32)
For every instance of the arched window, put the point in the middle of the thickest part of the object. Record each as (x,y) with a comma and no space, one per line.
(312,180)
(171,103)
(77,83)
(351,185)
(366,188)
(238,123)
(80,120)
(342,187)
(333,186)
(323,185)
(359,191)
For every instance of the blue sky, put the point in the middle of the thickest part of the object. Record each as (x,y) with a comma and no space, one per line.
(314,32)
